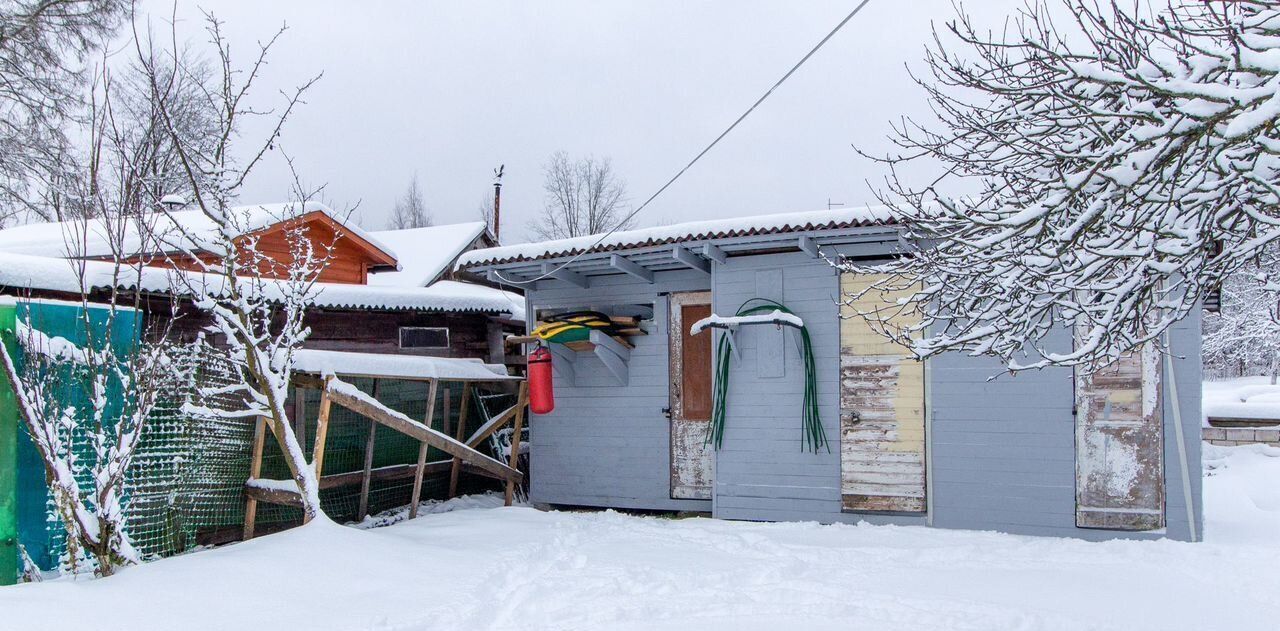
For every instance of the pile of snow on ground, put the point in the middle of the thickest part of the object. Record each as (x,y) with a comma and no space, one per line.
(518,568)
(1242,397)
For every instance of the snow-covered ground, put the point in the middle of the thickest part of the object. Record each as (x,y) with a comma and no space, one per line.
(517,568)
(1242,397)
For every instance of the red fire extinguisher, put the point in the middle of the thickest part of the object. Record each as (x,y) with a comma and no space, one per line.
(542,399)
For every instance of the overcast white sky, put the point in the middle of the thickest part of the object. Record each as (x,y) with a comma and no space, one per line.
(449,90)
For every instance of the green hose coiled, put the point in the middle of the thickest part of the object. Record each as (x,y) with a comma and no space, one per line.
(811,424)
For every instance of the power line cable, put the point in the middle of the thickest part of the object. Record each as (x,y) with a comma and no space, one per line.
(695,159)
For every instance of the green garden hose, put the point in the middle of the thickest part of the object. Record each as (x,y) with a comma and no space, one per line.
(811,424)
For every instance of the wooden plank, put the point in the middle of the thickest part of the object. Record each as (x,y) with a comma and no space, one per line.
(255,470)
(808,246)
(422,451)
(558,272)
(462,427)
(491,426)
(714,253)
(627,266)
(367,476)
(401,472)
(522,399)
(272,496)
(691,260)
(322,433)
(417,430)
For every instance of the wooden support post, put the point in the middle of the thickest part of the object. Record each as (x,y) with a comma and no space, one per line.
(522,399)
(460,435)
(422,451)
(322,435)
(255,470)
(299,417)
(368,463)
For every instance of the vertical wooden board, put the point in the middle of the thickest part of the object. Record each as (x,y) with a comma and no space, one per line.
(690,365)
(882,437)
(1119,445)
(695,366)
(771,350)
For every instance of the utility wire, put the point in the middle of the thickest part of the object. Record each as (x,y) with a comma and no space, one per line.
(695,159)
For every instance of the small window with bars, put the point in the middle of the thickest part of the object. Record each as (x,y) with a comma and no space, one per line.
(424,337)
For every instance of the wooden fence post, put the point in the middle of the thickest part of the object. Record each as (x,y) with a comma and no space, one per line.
(255,469)
(521,400)
(461,436)
(368,463)
(322,435)
(422,451)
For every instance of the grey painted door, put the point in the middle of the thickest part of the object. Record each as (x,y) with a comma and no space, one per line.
(690,396)
(1119,445)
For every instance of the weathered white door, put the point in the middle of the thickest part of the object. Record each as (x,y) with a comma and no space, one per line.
(1119,445)
(882,438)
(690,396)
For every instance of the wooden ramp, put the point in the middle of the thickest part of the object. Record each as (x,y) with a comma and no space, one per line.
(464,452)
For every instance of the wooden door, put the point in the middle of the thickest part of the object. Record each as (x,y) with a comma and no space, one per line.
(882,437)
(1120,445)
(690,396)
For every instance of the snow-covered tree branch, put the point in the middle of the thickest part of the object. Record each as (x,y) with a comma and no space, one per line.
(256,303)
(86,402)
(1124,163)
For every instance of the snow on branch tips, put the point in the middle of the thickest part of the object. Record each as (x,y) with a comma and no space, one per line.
(256,303)
(1117,169)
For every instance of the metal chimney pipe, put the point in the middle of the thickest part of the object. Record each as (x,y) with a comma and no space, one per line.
(497,202)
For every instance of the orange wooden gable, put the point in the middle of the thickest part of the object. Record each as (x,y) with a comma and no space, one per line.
(352,255)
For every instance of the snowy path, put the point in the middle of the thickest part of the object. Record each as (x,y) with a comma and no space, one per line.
(516,568)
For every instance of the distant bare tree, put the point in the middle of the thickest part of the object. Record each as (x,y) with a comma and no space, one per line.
(583,196)
(410,210)
(484,210)
(43,47)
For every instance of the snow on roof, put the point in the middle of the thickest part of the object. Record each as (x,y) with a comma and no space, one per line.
(178,230)
(22,271)
(397,366)
(425,253)
(691,231)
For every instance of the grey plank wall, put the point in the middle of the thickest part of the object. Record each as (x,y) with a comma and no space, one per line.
(761,471)
(607,444)
(1003,451)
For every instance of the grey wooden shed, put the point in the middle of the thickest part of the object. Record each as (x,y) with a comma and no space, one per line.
(935,443)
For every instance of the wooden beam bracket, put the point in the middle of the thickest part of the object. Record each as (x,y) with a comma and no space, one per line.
(714,253)
(690,260)
(565,274)
(627,266)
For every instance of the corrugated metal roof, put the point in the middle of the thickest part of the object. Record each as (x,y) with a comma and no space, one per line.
(833,219)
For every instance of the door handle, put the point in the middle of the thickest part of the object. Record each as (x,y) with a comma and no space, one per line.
(667,413)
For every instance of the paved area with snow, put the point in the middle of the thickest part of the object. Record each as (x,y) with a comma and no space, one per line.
(517,568)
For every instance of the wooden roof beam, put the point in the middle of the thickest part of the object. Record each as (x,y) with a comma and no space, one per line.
(563,273)
(809,246)
(691,260)
(714,253)
(627,266)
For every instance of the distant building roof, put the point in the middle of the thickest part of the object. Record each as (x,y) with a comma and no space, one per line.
(835,218)
(167,232)
(425,254)
(25,272)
